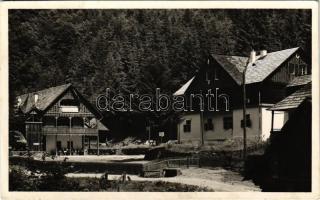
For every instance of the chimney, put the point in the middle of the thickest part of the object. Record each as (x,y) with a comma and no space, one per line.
(252,58)
(263,53)
(19,102)
(36,97)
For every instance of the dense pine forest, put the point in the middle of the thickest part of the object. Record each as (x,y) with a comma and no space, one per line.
(137,51)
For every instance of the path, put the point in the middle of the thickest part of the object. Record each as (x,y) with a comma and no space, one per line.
(218,179)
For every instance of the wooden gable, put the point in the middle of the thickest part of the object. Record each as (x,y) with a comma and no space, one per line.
(273,89)
(70,94)
(293,67)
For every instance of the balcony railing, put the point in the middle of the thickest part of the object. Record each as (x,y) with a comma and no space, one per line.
(68,131)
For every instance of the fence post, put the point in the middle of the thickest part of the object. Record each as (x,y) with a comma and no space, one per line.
(187,162)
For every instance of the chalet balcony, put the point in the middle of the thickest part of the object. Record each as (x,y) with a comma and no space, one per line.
(46,130)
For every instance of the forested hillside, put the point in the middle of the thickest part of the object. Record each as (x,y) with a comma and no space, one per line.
(136,51)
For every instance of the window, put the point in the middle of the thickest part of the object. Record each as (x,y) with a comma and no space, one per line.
(59,147)
(69,102)
(248,121)
(49,121)
(77,122)
(291,68)
(209,76)
(70,144)
(187,126)
(209,125)
(304,69)
(69,105)
(216,74)
(297,70)
(227,123)
(64,121)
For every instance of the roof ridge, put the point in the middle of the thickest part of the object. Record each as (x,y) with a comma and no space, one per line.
(42,90)
(284,50)
(213,54)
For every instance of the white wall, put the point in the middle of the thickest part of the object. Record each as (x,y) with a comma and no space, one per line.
(254,130)
(280,118)
(51,141)
(195,135)
(260,125)
(266,123)
(218,132)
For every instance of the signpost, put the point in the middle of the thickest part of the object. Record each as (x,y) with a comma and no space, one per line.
(161,135)
(149,131)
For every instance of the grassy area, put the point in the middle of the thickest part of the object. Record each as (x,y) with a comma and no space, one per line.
(22,179)
(234,144)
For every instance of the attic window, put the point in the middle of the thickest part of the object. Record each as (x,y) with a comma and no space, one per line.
(69,102)
(209,77)
(69,105)
(216,74)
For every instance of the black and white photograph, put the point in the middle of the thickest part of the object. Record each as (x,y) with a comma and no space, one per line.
(160,100)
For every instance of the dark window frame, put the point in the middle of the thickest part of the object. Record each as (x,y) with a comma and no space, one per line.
(248,121)
(187,126)
(228,123)
(69,102)
(208,126)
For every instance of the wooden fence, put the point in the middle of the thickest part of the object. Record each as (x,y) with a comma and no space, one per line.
(172,163)
(25,153)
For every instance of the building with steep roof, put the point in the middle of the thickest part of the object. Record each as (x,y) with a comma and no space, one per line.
(267,81)
(60,120)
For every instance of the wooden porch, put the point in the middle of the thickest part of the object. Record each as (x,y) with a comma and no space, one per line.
(69,131)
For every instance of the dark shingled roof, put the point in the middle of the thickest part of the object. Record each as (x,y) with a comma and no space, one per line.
(294,100)
(300,80)
(45,98)
(263,67)
(234,65)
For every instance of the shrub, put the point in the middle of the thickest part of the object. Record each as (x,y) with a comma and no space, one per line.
(19,180)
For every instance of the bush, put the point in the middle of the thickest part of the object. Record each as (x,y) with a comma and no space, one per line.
(21,180)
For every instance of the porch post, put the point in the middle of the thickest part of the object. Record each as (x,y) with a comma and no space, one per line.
(178,135)
(56,136)
(272,119)
(70,119)
(41,135)
(83,136)
(98,143)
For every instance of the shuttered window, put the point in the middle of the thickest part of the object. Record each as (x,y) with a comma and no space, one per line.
(248,121)
(228,123)
(187,126)
(208,126)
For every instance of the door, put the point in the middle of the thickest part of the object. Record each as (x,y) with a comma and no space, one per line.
(58,145)
(44,143)
(70,144)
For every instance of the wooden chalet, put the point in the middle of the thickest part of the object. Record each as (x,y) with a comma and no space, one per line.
(267,82)
(286,164)
(293,101)
(59,120)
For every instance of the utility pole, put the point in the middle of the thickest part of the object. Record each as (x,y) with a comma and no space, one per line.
(201,122)
(244,112)
(148,129)
(250,61)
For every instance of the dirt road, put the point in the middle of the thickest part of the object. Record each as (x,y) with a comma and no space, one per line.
(218,179)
